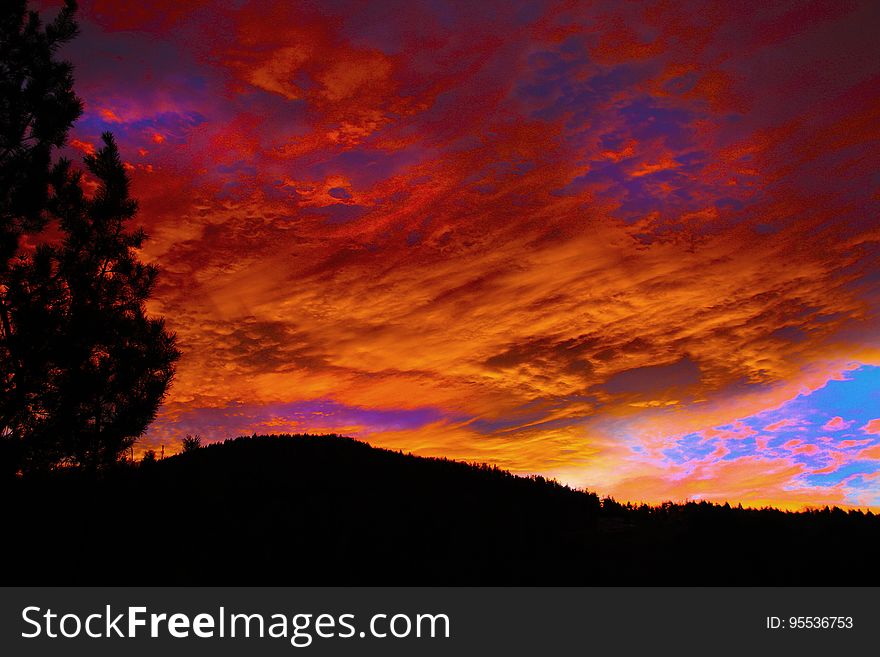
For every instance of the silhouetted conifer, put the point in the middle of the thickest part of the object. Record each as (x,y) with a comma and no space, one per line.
(37,108)
(96,366)
(191,443)
(83,368)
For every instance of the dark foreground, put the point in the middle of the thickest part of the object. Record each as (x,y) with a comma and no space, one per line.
(305,510)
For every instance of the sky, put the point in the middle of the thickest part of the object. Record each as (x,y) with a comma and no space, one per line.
(631,246)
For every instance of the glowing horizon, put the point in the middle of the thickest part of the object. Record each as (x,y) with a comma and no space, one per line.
(630,246)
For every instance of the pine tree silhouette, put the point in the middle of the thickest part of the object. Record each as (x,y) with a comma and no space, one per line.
(37,109)
(83,367)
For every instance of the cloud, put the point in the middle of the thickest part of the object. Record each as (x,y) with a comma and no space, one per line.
(586,237)
(649,379)
(872,427)
(786,423)
(836,423)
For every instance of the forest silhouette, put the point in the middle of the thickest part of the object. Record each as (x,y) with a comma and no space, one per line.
(83,371)
(327,510)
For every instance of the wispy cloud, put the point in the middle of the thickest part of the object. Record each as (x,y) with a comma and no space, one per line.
(576,234)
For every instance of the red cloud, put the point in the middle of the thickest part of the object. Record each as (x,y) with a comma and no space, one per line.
(493,216)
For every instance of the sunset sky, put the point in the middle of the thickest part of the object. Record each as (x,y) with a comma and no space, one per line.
(632,246)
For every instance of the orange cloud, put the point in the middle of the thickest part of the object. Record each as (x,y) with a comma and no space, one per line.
(872,427)
(576,242)
(836,423)
(753,480)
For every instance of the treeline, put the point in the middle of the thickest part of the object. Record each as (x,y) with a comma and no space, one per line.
(301,510)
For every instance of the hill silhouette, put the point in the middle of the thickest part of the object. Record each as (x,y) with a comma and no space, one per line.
(328,510)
